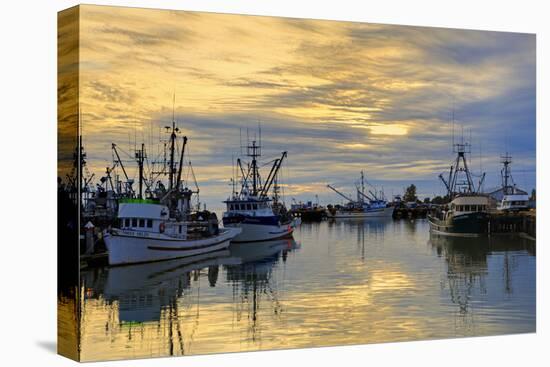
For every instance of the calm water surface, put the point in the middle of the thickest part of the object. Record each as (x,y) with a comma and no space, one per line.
(344,282)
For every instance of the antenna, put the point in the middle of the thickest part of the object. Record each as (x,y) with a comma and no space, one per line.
(470,141)
(241,139)
(453,121)
(233,174)
(174,106)
(260,131)
(480,158)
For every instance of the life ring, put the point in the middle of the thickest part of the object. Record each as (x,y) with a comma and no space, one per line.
(162,227)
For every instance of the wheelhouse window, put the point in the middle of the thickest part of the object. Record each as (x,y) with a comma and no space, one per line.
(134,222)
(149,223)
(142,223)
(248,206)
(127,222)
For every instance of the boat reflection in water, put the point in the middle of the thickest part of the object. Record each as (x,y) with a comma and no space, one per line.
(361,226)
(472,263)
(350,281)
(365,229)
(156,302)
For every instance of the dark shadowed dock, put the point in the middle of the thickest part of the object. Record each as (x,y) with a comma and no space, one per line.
(524,223)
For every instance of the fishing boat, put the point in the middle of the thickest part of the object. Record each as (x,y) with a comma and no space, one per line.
(165,225)
(308,211)
(251,209)
(466,215)
(513,199)
(371,205)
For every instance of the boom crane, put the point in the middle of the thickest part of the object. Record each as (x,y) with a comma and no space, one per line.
(480,184)
(339,193)
(180,168)
(119,162)
(364,195)
(445,183)
(272,174)
(245,176)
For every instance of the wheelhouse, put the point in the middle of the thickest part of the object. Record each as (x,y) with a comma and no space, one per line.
(469,204)
(514,202)
(243,206)
(149,216)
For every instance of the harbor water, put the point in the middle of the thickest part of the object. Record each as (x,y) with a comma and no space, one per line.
(337,283)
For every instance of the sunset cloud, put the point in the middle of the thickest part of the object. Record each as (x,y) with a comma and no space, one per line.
(340,97)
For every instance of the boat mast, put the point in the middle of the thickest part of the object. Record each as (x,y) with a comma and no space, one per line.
(172,153)
(506,174)
(468,186)
(254,151)
(362,185)
(453,185)
(140,157)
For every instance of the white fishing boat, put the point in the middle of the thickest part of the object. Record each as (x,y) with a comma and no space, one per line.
(371,205)
(260,217)
(166,225)
(513,199)
(377,210)
(147,233)
(514,202)
(257,220)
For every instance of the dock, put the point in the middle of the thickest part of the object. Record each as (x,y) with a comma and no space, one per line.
(93,260)
(309,214)
(523,223)
(403,212)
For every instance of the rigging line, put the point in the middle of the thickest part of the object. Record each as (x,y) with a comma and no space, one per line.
(267,163)
(188,172)
(188,163)
(194,177)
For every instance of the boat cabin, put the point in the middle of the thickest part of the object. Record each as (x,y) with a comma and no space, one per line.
(149,216)
(514,202)
(250,206)
(469,204)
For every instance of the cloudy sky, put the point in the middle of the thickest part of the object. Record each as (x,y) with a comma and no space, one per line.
(340,97)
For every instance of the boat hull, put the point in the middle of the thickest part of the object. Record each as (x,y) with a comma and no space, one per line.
(124,247)
(252,232)
(464,225)
(375,213)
